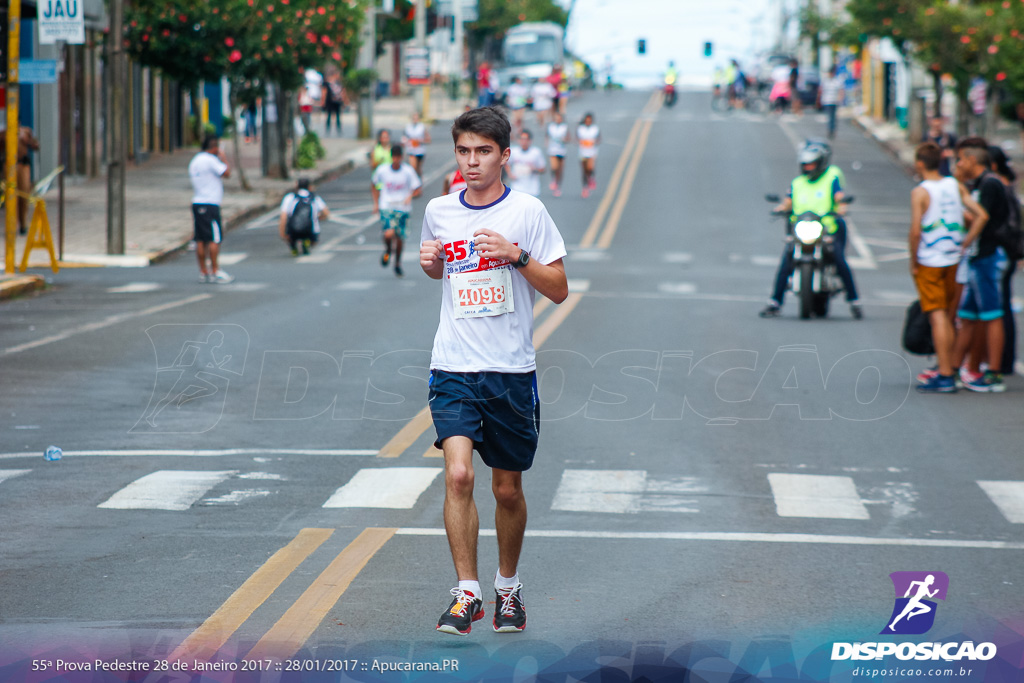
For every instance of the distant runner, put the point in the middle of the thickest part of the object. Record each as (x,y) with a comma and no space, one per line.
(558,138)
(589,137)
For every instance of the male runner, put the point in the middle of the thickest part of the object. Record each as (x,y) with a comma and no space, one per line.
(525,165)
(492,249)
(393,187)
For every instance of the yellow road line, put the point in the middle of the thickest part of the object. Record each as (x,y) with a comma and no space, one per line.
(292,630)
(629,152)
(627,186)
(407,435)
(204,642)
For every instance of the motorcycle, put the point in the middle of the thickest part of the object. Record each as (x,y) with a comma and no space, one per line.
(815,279)
(670,94)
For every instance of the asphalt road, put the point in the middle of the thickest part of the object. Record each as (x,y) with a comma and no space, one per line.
(248,478)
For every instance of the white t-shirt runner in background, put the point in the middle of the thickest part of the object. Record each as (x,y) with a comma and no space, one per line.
(517,95)
(206,172)
(543,94)
(525,166)
(588,135)
(395,186)
(558,136)
(415,138)
(496,343)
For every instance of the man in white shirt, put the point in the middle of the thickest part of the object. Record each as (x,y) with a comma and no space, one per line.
(492,249)
(516,98)
(207,171)
(830,94)
(393,187)
(301,213)
(525,166)
(543,95)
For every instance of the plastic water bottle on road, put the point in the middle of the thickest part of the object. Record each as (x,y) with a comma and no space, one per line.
(52,453)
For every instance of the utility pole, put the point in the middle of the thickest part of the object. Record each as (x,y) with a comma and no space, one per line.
(118,156)
(368,60)
(13,48)
(420,36)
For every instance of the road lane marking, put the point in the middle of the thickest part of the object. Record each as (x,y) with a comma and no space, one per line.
(816,495)
(677,288)
(11,474)
(165,490)
(742,537)
(317,258)
(677,257)
(395,488)
(626,189)
(407,435)
(1008,496)
(624,492)
(231,258)
(590,235)
(204,642)
(135,288)
(356,285)
(203,453)
(551,323)
(293,629)
(106,322)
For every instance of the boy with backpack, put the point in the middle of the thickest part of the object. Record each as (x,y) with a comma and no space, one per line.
(301,213)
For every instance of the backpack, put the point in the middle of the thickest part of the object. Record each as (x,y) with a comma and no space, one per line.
(917,331)
(300,222)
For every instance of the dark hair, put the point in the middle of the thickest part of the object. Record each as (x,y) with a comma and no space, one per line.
(303,184)
(396,151)
(977,148)
(930,155)
(526,132)
(209,142)
(487,122)
(380,133)
(1000,163)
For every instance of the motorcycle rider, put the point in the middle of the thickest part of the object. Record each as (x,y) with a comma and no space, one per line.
(671,76)
(818,189)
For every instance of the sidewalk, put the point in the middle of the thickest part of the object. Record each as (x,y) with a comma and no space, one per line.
(158,218)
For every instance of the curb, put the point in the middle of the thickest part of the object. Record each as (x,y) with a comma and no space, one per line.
(20,284)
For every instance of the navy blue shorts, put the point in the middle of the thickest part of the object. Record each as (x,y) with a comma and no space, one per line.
(499,411)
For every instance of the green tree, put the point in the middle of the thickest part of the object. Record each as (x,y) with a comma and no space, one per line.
(498,16)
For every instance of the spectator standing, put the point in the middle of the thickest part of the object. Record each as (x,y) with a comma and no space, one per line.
(1001,167)
(207,171)
(794,86)
(334,102)
(946,141)
(830,95)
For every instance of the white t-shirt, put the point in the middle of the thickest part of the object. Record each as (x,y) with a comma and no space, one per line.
(588,135)
(558,136)
(395,186)
(206,171)
(525,168)
(830,89)
(942,225)
(292,198)
(500,343)
(544,95)
(415,137)
(314,85)
(517,95)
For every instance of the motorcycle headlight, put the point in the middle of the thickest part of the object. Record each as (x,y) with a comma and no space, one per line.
(808,232)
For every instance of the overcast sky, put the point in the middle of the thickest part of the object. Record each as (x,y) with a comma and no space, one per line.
(674,30)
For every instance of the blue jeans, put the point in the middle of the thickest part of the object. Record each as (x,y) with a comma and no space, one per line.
(839,256)
(830,111)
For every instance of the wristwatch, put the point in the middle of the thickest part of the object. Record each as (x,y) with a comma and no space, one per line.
(524,258)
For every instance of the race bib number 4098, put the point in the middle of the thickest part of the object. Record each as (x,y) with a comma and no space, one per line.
(482,294)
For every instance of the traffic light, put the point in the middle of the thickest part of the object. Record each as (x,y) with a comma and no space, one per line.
(641,46)
(707,49)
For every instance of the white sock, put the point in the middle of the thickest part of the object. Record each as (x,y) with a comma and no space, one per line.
(500,582)
(472,587)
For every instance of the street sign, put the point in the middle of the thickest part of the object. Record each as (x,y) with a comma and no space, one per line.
(417,65)
(61,20)
(38,70)
(470,9)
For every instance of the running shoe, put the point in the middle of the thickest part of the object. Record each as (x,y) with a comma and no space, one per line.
(295,251)
(398,270)
(593,184)
(385,258)
(927,375)
(856,311)
(770,311)
(553,186)
(990,382)
(556,191)
(966,377)
(221,278)
(459,617)
(938,384)
(509,612)
(585,193)
(305,247)
(203,277)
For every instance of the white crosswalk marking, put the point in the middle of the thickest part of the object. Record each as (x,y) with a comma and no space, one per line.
(135,288)
(319,257)
(816,495)
(231,258)
(396,488)
(1008,497)
(677,288)
(356,285)
(166,490)
(677,257)
(624,491)
(10,474)
(600,490)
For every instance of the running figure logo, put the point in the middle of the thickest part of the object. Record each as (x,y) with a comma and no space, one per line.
(195,365)
(914,612)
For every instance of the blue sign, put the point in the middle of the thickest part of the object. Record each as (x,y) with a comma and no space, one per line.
(37,71)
